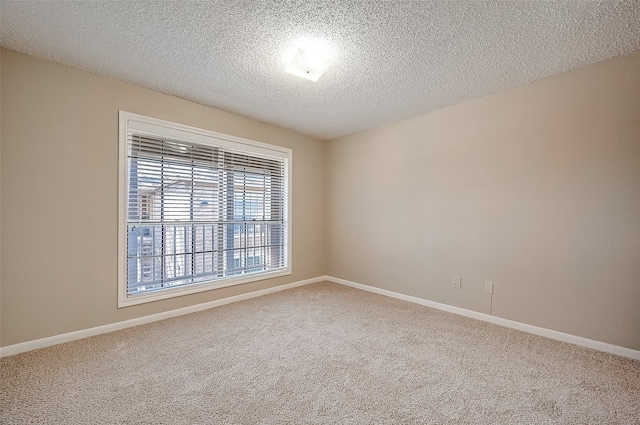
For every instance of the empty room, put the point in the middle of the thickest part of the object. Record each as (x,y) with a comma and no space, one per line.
(320,212)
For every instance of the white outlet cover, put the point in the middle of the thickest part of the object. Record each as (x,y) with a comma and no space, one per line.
(488,287)
(457,282)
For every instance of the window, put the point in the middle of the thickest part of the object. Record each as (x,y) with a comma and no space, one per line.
(198,210)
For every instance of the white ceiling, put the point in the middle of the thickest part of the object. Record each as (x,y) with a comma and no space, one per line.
(391,59)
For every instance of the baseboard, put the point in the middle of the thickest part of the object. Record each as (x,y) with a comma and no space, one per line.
(10,350)
(560,336)
(22,347)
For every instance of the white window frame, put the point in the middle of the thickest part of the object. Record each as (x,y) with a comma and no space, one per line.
(161,128)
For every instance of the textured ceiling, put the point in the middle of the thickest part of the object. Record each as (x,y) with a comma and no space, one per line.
(390,59)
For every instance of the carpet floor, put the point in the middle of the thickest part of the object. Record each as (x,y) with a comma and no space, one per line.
(319,354)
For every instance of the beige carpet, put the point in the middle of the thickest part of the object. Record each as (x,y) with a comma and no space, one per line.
(319,354)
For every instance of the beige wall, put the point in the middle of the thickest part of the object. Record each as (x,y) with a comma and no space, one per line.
(536,189)
(1,198)
(59,176)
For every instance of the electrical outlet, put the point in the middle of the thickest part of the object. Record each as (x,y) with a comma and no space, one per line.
(488,287)
(457,282)
(293,264)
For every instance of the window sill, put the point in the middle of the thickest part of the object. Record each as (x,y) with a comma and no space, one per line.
(125,300)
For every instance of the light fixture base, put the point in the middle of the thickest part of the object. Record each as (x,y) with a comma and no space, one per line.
(308,65)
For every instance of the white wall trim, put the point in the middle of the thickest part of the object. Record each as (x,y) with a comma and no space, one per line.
(10,350)
(22,347)
(560,336)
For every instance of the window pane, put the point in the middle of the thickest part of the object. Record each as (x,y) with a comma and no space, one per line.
(198,213)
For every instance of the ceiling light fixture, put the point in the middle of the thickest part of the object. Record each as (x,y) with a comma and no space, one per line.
(308,64)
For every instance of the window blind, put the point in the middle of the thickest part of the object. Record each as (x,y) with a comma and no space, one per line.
(199,212)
